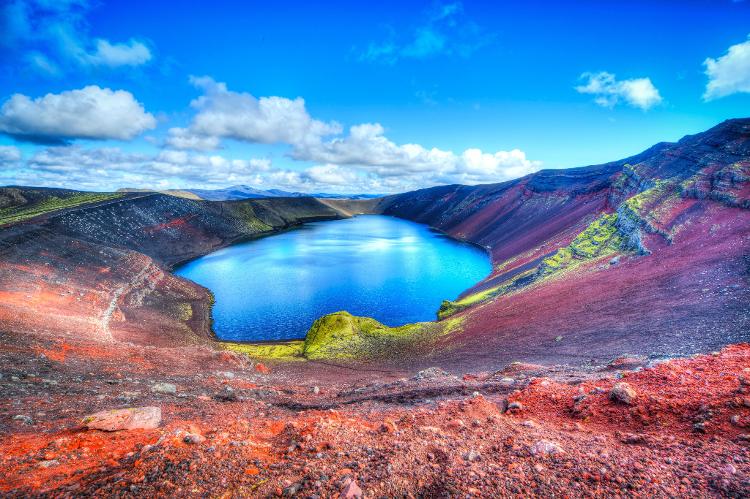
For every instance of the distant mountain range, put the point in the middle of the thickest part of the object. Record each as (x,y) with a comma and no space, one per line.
(236,192)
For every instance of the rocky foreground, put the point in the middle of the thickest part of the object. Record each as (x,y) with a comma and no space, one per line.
(209,423)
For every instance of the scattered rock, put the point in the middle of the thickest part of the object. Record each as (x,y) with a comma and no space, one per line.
(292,489)
(515,406)
(351,491)
(472,456)
(558,338)
(193,438)
(226,395)
(24,419)
(315,390)
(623,393)
(545,448)
(633,438)
(145,418)
(432,373)
(165,388)
(49,463)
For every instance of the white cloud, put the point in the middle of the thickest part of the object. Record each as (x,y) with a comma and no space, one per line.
(133,53)
(331,175)
(9,155)
(112,168)
(608,91)
(89,113)
(241,116)
(730,73)
(365,149)
(182,138)
(368,149)
(52,37)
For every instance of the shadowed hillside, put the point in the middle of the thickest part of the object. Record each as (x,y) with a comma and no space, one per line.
(102,267)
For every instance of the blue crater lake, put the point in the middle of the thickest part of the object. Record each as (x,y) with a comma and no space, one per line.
(390,269)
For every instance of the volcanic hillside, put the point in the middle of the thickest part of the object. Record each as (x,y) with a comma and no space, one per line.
(647,255)
(112,384)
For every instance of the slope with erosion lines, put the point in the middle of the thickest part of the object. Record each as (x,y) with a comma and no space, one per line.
(647,255)
(102,269)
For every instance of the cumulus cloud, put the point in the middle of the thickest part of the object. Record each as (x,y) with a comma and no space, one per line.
(89,113)
(367,148)
(52,37)
(9,155)
(111,168)
(444,30)
(730,73)
(132,53)
(182,138)
(608,91)
(241,116)
(221,113)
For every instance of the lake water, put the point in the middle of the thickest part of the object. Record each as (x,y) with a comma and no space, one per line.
(383,267)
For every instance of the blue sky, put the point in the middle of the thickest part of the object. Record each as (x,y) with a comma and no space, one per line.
(355,96)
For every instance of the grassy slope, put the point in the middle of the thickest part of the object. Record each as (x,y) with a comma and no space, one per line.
(19,208)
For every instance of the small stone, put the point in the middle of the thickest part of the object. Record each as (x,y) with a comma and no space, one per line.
(729,469)
(472,456)
(528,424)
(735,420)
(545,448)
(145,418)
(558,338)
(623,393)
(292,489)
(515,406)
(315,390)
(351,491)
(48,463)
(165,388)
(432,373)
(699,427)
(24,419)
(193,438)
(226,395)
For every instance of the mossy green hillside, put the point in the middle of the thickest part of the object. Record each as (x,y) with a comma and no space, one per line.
(50,204)
(245,212)
(344,336)
(600,238)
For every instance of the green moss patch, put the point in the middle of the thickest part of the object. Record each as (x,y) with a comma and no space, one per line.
(50,204)
(343,336)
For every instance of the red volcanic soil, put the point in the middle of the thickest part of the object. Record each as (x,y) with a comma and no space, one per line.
(526,430)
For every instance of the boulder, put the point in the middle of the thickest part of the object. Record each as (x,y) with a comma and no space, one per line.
(623,393)
(134,418)
(167,388)
(543,448)
(351,491)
